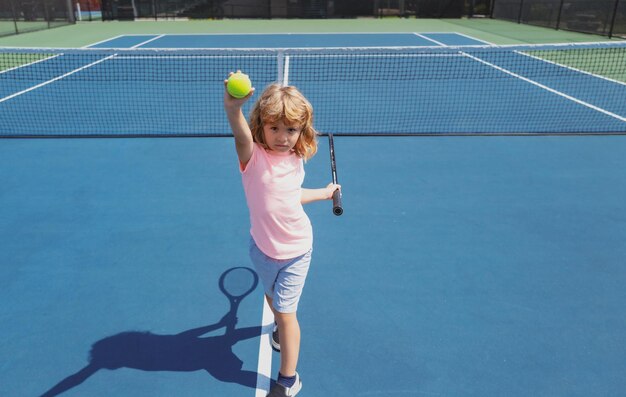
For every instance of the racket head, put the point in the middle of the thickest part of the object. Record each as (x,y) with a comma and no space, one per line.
(238,282)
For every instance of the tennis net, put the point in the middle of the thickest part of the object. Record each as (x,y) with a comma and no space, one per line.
(547,89)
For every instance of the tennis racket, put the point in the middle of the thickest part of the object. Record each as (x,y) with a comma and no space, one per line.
(337,207)
(236,284)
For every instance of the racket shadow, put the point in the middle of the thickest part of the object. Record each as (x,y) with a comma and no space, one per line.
(186,351)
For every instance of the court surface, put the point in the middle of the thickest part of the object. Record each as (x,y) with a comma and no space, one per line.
(462,266)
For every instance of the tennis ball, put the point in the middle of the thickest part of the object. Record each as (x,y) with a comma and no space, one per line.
(238,85)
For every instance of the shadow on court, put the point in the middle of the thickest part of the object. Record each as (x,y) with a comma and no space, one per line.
(183,352)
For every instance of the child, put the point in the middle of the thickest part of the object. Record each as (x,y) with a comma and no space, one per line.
(271,151)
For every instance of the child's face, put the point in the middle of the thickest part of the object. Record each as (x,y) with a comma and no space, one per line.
(281,137)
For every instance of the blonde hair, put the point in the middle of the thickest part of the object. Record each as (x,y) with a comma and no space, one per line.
(286,104)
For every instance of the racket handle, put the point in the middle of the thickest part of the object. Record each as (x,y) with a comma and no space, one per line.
(337,208)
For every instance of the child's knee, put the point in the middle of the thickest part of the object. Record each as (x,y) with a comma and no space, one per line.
(285,318)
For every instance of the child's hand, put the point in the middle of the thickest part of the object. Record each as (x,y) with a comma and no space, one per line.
(330,189)
(231,102)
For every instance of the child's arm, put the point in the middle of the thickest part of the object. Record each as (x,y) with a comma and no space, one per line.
(239,125)
(311,195)
(228,319)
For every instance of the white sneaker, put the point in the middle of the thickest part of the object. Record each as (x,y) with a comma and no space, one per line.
(281,391)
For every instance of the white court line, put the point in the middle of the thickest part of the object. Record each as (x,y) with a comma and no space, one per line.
(559,93)
(147,41)
(278,34)
(264,366)
(474,38)
(123,57)
(371,55)
(29,64)
(55,79)
(237,50)
(571,68)
(429,39)
(103,41)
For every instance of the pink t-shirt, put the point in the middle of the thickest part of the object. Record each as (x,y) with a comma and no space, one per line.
(273,185)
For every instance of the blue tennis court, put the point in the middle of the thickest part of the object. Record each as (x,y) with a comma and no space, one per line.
(472,263)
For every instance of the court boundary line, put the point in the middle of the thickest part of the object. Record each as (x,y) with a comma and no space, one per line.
(281,56)
(440,44)
(147,41)
(30,64)
(572,68)
(549,61)
(123,57)
(103,41)
(264,364)
(444,55)
(233,50)
(279,34)
(55,79)
(474,38)
(545,87)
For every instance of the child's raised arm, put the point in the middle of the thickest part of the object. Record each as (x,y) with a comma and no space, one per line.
(239,125)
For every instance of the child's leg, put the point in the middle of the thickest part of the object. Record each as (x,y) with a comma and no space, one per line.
(289,331)
(283,281)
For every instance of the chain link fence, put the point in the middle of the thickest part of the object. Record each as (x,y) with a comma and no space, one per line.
(20,16)
(603,17)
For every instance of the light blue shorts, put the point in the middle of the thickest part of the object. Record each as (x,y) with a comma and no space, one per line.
(283,279)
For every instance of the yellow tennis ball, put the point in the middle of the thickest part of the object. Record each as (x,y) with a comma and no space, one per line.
(239,85)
